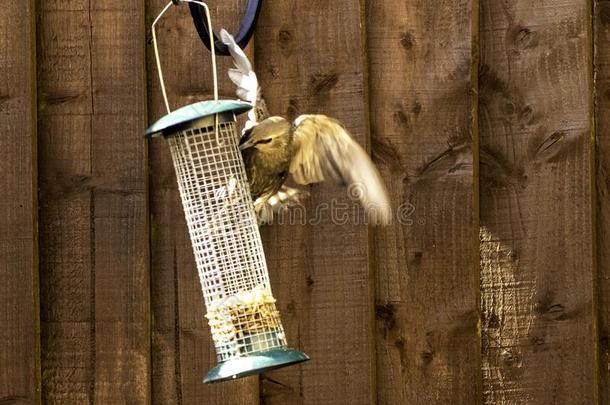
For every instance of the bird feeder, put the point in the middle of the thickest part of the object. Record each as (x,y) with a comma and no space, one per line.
(245,324)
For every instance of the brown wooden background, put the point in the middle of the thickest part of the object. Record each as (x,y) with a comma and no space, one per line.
(489,120)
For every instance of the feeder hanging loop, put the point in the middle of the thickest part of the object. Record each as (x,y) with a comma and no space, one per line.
(243,36)
(194,3)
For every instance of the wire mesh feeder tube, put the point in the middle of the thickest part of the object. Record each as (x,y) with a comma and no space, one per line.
(241,311)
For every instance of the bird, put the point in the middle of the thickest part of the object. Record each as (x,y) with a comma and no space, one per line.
(311,149)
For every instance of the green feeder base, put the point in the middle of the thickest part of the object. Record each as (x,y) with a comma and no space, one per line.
(254,364)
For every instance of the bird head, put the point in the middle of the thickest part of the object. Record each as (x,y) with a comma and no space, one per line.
(271,135)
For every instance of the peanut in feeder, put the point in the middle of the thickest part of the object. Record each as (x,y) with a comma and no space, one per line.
(245,324)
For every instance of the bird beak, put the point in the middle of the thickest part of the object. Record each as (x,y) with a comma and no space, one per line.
(245,144)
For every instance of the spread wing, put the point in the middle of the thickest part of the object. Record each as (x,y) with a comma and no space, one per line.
(325,150)
(247,83)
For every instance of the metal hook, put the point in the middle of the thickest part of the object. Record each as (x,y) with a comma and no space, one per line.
(243,36)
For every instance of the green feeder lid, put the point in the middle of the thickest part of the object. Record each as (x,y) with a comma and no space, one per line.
(182,117)
(254,364)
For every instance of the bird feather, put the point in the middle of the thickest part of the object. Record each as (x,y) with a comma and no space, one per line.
(246,81)
(325,150)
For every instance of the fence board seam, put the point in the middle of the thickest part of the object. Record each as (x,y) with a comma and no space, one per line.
(35,195)
(593,30)
(476,169)
(371,247)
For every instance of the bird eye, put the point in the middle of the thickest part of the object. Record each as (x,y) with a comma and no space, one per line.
(265,140)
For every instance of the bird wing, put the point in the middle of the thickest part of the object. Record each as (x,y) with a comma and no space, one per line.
(325,150)
(244,77)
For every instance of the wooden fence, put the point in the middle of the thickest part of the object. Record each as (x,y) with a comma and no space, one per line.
(489,120)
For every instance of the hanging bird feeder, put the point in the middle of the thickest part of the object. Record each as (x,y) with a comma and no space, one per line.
(245,324)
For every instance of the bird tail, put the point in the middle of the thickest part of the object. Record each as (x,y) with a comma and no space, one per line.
(245,79)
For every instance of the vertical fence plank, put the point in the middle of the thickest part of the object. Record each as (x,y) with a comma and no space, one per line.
(19,317)
(183,351)
(422,116)
(602,102)
(310,59)
(536,229)
(93,219)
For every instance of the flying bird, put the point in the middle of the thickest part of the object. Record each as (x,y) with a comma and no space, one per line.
(311,149)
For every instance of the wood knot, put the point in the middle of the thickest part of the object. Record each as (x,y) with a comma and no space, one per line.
(550,310)
(557,312)
(274,71)
(284,36)
(400,118)
(551,146)
(416,257)
(527,114)
(407,40)
(4,98)
(62,98)
(427,356)
(525,38)
(417,107)
(323,82)
(537,341)
(385,313)
(455,161)
(309,280)
(285,40)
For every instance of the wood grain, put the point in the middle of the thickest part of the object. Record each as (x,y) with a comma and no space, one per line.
(183,350)
(93,222)
(602,135)
(433,309)
(310,59)
(421,62)
(536,207)
(19,313)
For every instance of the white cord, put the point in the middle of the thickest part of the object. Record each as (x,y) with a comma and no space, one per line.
(154,34)
(212,48)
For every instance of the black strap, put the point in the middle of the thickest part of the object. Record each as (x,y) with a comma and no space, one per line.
(246,29)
